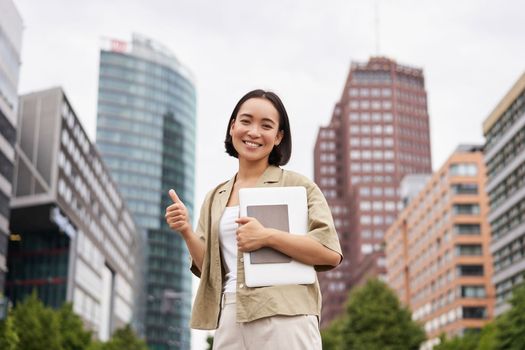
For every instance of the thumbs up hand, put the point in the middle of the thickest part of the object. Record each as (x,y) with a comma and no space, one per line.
(177,215)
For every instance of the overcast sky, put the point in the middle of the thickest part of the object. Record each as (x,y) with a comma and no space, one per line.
(471,53)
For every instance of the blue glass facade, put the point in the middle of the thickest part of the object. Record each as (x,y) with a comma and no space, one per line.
(146,135)
(11,28)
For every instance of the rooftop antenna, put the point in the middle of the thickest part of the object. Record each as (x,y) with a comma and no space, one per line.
(376,22)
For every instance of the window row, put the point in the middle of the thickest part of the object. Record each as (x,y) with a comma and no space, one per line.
(510,151)
(374,92)
(365,191)
(374,117)
(371,154)
(372,167)
(377,205)
(507,221)
(366,179)
(504,288)
(327,133)
(510,254)
(506,188)
(505,122)
(371,129)
(372,141)
(463,169)
(376,219)
(156,106)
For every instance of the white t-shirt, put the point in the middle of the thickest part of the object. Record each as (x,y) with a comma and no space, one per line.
(228,244)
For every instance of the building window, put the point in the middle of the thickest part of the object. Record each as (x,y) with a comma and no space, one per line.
(474,312)
(387,117)
(466,209)
(463,169)
(364,191)
(472,292)
(365,220)
(467,229)
(469,270)
(364,205)
(465,188)
(468,250)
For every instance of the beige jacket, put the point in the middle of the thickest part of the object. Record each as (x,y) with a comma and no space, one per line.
(255,303)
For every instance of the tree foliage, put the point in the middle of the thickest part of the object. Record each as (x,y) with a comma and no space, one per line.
(331,335)
(33,326)
(8,337)
(36,326)
(374,319)
(510,332)
(74,337)
(125,339)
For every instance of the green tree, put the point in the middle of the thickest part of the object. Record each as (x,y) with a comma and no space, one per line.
(8,337)
(73,335)
(125,339)
(469,341)
(331,335)
(510,333)
(488,337)
(375,319)
(36,326)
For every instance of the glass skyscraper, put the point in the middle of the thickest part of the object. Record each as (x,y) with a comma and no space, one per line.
(146,135)
(11,28)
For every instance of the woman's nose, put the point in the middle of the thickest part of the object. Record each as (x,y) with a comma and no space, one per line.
(254,131)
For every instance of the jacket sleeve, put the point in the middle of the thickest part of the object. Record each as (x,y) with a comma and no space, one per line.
(320,223)
(202,229)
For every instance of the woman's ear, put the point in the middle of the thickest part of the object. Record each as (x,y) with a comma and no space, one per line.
(279,137)
(231,126)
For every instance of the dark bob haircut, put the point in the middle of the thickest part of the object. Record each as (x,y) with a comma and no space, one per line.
(281,153)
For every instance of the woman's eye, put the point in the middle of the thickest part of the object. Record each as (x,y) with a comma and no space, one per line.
(267,126)
(244,121)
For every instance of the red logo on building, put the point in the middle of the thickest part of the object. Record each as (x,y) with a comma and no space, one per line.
(119,46)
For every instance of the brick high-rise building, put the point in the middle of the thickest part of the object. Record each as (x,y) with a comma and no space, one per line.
(437,251)
(379,132)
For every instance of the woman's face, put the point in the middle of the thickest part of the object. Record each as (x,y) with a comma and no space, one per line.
(255,130)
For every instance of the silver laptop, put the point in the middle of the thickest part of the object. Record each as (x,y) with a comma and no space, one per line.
(285,209)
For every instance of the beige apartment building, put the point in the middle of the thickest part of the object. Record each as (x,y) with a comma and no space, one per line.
(438,250)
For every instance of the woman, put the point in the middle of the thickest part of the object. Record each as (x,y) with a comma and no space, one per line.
(274,317)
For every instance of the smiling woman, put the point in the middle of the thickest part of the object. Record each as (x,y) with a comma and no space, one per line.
(271,317)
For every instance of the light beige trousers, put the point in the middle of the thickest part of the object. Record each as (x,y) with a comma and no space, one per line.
(273,333)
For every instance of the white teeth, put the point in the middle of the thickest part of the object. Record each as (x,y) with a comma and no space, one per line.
(251,144)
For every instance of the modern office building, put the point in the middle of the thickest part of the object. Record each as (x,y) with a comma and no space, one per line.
(504,130)
(72,237)
(379,132)
(146,135)
(10,45)
(437,251)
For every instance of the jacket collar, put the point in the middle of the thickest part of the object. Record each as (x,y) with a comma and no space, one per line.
(272,174)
